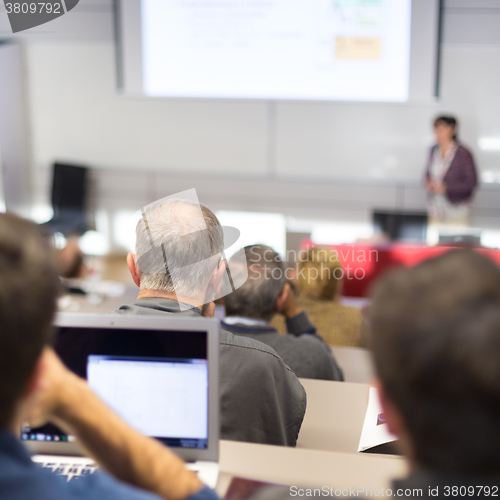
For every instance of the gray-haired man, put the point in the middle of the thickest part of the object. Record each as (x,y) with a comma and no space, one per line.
(178,266)
(250,308)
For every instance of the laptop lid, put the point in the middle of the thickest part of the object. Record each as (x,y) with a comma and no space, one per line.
(161,375)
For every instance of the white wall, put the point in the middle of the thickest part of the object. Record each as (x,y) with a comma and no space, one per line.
(2,196)
(15,158)
(254,156)
(79,116)
(355,141)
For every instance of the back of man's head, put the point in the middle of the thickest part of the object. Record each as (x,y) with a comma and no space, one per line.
(28,292)
(178,245)
(257,297)
(436,345)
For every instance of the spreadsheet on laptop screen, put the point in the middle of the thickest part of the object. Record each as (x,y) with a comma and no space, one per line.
(157,381)
(166,399)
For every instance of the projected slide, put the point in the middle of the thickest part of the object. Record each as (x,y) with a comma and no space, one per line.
(354,50)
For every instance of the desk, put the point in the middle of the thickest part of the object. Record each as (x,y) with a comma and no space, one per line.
(310,468)
(334,416)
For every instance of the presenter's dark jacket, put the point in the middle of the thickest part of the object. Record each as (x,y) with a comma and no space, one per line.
(461,177)
(302,349)
(21,479)
(262,400)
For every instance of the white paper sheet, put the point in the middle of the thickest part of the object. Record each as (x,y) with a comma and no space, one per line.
(375,431)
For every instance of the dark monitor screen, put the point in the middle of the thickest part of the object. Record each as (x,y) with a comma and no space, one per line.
(401,226)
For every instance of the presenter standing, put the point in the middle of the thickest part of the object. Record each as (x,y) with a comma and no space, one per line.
(450,177)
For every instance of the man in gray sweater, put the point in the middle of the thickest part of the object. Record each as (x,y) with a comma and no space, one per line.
(179,265)
(250,308)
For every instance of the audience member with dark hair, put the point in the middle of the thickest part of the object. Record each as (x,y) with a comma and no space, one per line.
(251,307)
(436,346)
(178,265)
(435,335)
(71,260)
(35,387)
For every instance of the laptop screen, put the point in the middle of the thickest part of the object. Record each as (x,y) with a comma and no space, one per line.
(156,380)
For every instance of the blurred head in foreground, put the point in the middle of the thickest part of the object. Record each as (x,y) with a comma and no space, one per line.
(29,286)
(435,335)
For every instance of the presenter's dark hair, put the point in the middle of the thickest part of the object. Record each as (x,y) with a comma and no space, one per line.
(435,335)
(451,121)
(28,291)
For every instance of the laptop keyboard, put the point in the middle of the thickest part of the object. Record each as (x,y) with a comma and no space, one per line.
(71,468)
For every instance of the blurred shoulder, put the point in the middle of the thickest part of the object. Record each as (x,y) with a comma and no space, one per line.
(464,151)
(247,346)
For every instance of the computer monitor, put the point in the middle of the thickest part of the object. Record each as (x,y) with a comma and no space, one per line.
(401,226)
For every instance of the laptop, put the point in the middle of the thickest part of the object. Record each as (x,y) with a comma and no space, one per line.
(161,375)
